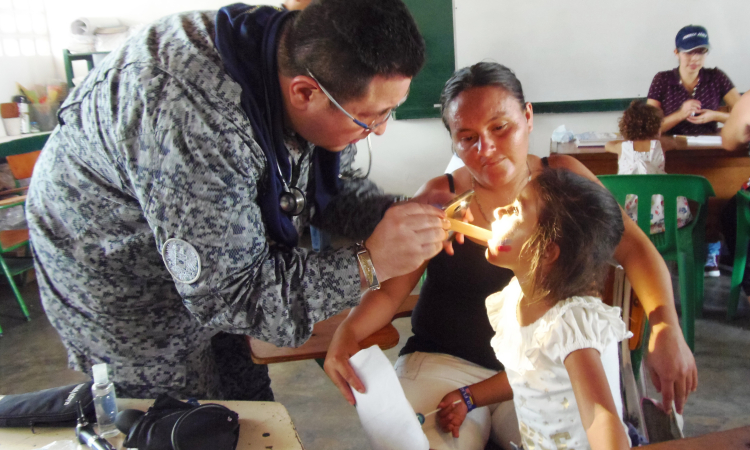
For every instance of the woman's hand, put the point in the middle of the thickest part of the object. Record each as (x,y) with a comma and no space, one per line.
(689,108)
(452,414)
(671,365)
(343,346)
(707,115)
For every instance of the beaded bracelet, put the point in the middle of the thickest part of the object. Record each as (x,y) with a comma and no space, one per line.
(468,398)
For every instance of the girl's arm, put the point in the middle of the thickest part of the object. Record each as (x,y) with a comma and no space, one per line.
(670,360)
(595,403)
(375,311)
(492,390)
(613,147)
(736,131)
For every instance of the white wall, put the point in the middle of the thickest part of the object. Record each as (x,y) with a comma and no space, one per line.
(407,155)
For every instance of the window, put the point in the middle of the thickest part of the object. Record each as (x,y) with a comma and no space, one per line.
(23,29)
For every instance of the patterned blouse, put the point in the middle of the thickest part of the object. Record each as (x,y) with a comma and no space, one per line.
(667,89)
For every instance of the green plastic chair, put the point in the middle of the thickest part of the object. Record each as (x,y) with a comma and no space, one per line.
(686,245)
(740,251)
(14,240)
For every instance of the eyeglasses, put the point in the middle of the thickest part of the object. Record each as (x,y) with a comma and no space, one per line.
(370,127)
(696,52)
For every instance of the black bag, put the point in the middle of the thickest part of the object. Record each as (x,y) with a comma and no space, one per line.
(174,425)
(56,407)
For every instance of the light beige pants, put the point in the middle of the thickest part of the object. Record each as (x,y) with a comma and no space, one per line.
(427,377)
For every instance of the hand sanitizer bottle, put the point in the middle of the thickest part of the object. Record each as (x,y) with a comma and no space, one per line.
(105,401)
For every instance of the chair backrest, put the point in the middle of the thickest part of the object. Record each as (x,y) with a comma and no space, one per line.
(22,166)
(693,187)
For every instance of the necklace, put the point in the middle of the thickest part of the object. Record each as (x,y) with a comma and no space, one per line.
(476,195)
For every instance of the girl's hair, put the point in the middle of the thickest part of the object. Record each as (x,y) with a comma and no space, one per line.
(585,221)
(640,121)
(479,75)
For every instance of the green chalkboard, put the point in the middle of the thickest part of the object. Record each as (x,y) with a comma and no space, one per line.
(435,21)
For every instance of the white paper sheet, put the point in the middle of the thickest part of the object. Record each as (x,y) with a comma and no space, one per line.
(389,421)
(704,140)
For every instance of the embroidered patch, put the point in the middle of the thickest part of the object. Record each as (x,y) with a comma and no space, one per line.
(182,260)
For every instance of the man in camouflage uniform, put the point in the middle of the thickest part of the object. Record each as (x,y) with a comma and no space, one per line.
(146,209)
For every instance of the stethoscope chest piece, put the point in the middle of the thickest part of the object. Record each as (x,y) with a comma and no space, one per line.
(292,201)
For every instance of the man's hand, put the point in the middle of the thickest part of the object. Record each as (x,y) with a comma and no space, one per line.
(671,365)
(343,346)
(409,234)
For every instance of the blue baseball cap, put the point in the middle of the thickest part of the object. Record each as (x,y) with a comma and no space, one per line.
(690,37)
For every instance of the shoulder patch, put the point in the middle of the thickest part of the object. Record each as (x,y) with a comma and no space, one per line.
(182,260)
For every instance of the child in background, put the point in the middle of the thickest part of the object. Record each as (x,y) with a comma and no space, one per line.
(642,154)
(555,337)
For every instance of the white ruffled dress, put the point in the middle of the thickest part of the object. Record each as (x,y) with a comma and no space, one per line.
(534,357)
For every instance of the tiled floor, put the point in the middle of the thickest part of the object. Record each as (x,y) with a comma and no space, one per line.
(32,358)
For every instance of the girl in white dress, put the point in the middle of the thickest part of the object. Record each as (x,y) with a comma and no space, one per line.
(555,337)
(642,154)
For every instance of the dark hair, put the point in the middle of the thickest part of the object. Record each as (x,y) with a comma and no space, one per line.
(585,221)
(640,121)
(345,43)
(479,75)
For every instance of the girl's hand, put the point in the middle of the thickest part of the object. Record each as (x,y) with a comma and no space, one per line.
(343,346)
(689,108)
(451,416)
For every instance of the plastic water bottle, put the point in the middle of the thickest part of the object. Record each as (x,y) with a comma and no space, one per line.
(105,401)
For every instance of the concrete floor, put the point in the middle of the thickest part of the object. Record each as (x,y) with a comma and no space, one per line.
(32,358)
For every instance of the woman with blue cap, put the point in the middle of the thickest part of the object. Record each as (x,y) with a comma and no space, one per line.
(690,95)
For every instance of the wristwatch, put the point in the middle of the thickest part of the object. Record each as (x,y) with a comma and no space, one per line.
(368,269)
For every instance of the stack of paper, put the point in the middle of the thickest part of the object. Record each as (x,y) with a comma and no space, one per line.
(704,141)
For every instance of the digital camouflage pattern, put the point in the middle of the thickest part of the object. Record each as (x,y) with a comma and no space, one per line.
(154,146)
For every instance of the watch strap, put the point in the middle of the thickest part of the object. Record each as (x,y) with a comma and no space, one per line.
(368,268)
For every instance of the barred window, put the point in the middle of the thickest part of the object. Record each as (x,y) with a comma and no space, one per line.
(23,29)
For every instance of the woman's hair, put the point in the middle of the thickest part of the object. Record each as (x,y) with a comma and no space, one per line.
(345,43)
(585,222)
(479,75)
(640,121)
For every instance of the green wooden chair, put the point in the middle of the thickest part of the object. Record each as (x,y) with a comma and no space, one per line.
(686,245)
(11,241)
(740,251)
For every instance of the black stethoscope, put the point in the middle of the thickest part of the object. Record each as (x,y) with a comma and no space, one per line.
(293,201)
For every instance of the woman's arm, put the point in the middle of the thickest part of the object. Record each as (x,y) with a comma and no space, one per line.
(708,115)
(595,403)
(670,360)
(687,109)
(736,131)
(452,414)
(375,311)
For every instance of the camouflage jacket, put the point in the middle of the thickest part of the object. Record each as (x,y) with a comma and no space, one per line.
(144,220)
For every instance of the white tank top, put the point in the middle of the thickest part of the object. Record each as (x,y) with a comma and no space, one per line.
(641,163)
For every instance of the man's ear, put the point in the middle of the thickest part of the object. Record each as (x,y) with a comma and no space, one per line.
(303,92)
(551,253)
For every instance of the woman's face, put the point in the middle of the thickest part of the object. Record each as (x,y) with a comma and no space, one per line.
(490,132)
(692,60)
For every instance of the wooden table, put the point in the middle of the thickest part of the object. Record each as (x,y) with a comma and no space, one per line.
(738,438)
(262,425)
(726,171)
(317,346)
